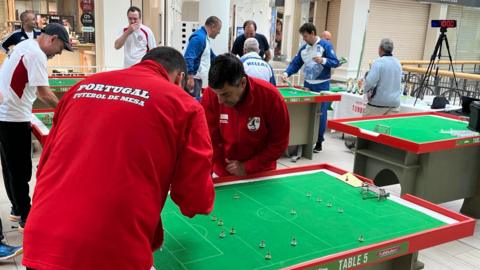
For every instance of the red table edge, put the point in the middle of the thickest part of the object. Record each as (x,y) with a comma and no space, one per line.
(417,241)
(312,99)
(36,131)
(418,148)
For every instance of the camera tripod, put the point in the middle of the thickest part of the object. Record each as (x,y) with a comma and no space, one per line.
(437,54)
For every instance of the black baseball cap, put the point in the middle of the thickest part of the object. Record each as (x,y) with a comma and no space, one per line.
(59,30)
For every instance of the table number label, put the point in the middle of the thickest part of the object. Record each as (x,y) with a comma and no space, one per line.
(467,141)
(363,258)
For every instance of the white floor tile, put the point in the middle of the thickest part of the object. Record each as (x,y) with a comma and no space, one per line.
(9,265)
(446,260)
(472,257)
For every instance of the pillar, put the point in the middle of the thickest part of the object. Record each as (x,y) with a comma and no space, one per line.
(351,33)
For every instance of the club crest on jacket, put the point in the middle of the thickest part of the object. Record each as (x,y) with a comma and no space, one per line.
(253,123)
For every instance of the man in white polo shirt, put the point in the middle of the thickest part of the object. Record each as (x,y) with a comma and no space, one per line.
(253,63)
(23,78)
(136,38)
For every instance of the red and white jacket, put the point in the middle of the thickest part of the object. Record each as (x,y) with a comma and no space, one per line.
(255,131)
(120,142)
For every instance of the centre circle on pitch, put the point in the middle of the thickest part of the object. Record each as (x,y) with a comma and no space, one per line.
(275,213)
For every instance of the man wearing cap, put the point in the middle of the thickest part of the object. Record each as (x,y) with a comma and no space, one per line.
(23,78)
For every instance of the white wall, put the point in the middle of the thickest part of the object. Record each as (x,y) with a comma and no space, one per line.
(174,14)
(256,10)
(110,17)
(220,9)
(288,46)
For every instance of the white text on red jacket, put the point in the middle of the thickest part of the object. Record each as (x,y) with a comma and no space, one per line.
(112,92)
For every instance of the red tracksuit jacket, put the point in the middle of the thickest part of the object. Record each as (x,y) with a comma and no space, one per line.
(255,131)
(120,141)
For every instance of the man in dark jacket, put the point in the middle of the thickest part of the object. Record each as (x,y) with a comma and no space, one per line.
(27,31)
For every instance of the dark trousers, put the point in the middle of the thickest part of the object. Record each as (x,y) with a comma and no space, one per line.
(197,89)
(16,151)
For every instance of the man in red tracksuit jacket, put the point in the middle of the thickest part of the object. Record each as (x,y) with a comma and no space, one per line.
(120,142)
(247,117)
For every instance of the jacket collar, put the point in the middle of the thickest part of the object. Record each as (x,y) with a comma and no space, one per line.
(203,29)
(251,55)
(316,42)
(153,66)
(247,99)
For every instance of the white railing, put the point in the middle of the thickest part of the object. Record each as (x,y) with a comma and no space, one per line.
(296,79)
(77,70)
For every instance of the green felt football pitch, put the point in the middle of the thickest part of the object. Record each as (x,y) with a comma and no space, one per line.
(288,92)
(46,118)
(322,213)
(418,129)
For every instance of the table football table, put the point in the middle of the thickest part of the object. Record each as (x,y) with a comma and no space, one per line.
(311,217)
(432,155)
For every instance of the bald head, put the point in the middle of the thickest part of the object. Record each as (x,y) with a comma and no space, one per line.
(28,20)
(326,35)
(251,45)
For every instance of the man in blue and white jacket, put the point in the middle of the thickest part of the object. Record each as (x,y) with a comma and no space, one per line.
(199,55)
(318,58)
(253,63)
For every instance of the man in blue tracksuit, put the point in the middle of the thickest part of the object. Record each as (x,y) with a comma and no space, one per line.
(199,55)
(318,58)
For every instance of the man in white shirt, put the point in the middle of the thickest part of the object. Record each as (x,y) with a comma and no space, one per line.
(23,78)
(253,64)
(137,39)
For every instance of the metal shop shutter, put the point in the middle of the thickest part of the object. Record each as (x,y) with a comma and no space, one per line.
(404,21)
(465,39)
(454,13)
(333,15)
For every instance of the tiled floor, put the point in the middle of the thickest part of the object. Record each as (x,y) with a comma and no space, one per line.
(463,254)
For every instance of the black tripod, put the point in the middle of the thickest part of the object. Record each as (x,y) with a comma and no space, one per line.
(437,53)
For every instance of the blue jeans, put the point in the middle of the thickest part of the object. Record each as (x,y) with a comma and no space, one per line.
(323,107)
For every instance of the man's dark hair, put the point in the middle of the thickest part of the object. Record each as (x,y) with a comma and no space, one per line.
(247,23)
(168,57)
(226,68)
(308,28)
(133,9)
(212,21)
